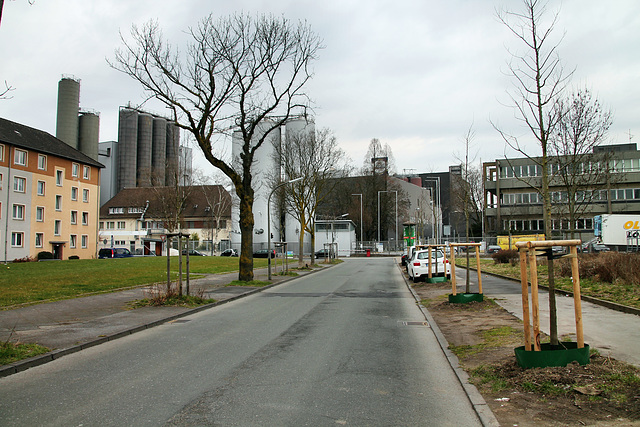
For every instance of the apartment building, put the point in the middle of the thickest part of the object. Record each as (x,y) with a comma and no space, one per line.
(513,205)
(136,218)
(49,195)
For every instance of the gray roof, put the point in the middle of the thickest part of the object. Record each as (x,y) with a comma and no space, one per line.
(40,141)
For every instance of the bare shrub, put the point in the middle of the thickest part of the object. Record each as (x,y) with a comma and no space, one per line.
(505,256)
(606,267)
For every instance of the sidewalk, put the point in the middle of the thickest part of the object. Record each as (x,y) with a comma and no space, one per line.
(611,332)
(71,325)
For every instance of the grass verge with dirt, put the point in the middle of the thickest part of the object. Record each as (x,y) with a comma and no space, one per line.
(483,335)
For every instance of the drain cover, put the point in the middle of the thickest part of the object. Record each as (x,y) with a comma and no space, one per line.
(415,323)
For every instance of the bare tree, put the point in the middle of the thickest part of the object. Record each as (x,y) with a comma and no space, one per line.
(316,157)
(236,73)
(576,165)
(539,79)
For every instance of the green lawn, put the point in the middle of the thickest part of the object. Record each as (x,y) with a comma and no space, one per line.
(36,281)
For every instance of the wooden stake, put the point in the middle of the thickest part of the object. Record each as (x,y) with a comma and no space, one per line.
(535,305)
(429,254)
(577,302)
(526,316)
(453,270)
(478,269)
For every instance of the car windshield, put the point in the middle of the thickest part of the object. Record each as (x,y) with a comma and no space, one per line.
(425,255)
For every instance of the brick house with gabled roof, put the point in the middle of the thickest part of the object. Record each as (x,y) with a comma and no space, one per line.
(139,218)
(49,195)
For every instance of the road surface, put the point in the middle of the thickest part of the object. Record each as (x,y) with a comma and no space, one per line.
(344,346)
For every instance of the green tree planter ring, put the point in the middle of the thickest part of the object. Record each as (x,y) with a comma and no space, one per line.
(560,355)
(465,298)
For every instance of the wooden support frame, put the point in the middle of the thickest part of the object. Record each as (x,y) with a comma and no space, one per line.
(528,256)
(452,260)
(444,252)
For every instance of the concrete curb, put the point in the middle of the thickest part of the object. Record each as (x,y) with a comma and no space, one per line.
(22,365)
(480,406)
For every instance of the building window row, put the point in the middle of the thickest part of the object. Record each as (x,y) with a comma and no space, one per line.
(615,166)
(537,225)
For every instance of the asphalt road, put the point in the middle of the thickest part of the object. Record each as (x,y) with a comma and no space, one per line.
(345,346)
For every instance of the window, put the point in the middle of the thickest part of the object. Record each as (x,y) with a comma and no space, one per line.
(1,153)
(101,225)
(74,217)
(116,211)
(85,196)
(86,172)
(19,184)
(39,213)
(58,202)
(74,193)
(42,162)
(85,218)
(73,241)
(84,241)
(75,168)
(59,176)
(111,225)
(18,212)
(121,225)
(56,227)
(17,239)
(1,181)
(40,188)
(39,239)
(20,157)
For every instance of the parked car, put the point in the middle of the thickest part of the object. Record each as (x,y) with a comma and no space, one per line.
(264,253)
(194,252)
(322,253)
(229,252)
(492,249)
(418,265)
(599,247)
(105,253)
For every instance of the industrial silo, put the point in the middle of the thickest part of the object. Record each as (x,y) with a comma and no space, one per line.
(145,144)
(172,162)
(68,106)
(159,150)
(295,128)
(127,148)
(89,134)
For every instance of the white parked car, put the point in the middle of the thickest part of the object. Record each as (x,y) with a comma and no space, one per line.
(418,265)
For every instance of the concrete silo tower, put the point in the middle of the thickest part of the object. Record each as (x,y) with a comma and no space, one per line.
(89,134)
(68,108)
(145,146)
(159,151)
(127,148)
(263,168)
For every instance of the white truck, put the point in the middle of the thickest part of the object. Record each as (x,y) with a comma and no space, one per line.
(618,229)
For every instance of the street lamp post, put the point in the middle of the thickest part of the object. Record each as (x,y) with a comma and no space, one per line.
(269,220)
(361,236)
(396,227)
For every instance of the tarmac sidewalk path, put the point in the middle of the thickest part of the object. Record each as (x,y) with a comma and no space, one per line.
(609,331)
(69,325)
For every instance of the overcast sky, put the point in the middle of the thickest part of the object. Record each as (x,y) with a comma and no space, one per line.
(415,74)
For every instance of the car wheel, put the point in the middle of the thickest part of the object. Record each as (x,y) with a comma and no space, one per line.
(415,279)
